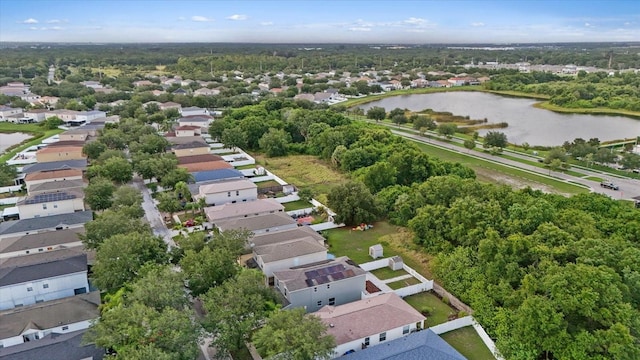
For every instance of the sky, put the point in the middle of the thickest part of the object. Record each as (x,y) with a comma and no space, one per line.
(327,21)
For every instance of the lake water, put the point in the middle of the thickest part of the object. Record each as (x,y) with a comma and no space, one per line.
(7,140)
(526,123)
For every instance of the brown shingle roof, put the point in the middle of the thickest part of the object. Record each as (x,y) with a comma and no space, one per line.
(205,166)
(59,149)
(198,158)
(55,174)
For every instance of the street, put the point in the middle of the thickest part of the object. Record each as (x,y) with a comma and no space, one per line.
(152,214)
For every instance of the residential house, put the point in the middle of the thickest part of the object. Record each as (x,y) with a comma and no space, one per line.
(206,92)
(55,165)
(158,92)
(66,143)
(457,81)
(328,282)
(53,346)
(195,120)
(242,210)
(37,115)
(419,83)
(188,130)
(87,116)
(9,229)
(224,192)
(47,204)
(199,159)
(419,345)
(48,101)
(308,97)
(483,79)
(169,105)
(63,114)
(273,237)
(78,134)
(180,91)
(321,97)
(286,254)
(92,84)
(8,112)
(190,148)
(193,111)
(369,322)
(35,322)
(213,176)
(44,276)
(206,166)
(42,177)
(55,186)
(40,242)
(259,224)
(141,83)
(176,140)
(59,153)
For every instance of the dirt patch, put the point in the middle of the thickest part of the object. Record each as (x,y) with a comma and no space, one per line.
(491,176)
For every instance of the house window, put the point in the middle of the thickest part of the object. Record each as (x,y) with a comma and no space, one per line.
(44,206)
(315,289)
(55,206)
(366,341)
(383,336)
(328,286)
(319,303)
(39,301)
(237,193)
(65,328)
(29,288)
(45,286)
(40,250)
(405,330)
(332,301)
(228,193)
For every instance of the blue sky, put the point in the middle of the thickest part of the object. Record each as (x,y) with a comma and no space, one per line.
(298,21)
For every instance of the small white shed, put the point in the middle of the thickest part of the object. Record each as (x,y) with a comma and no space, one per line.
(375,251)
(395,263)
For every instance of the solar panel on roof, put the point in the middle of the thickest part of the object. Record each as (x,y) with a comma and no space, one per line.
(323,271)
(309,282)
(323,279)
(349,273)
(41,198)
(338,276)
(311,274)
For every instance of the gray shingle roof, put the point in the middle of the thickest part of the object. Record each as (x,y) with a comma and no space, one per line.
(55,165)
(256,223)
(288,249)
(58,185)
(215,175)
(417,346)
(40,240)
(314,274)
(49,314)
(285,235)
(45,222)
(54,347)
(24,268)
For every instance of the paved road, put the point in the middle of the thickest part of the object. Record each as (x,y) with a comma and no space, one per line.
(628,187)
(152,214)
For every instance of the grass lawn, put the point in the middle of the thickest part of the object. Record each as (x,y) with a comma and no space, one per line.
(297,205)
(593,178)
(267,184)
(304,171)
(439,311)
(244,167)
(402,283)
(386,273)
(468,343)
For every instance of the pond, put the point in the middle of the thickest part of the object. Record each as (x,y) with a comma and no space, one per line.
(10,139)
(526,123)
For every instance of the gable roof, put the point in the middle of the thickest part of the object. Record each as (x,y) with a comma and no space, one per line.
(206,166)
(54,347)
(198,158)
(24,268)
(57,185)
(285,235)
(242,209)
(50,197)
(40,240)
(256,223)
(53,174)
(225,186)
(58,149)
(55,165)
(288,249)
(216,175)
(328,271)
(367,317)
(191,145)
(49,314)
(417,346)
(45,222)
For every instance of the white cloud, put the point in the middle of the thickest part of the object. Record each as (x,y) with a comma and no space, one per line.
(237,17)
(54,21)
(359,28)
(266,23)
(198,18)
(55,28)
(587,24)
(415,21)
(30,21)
(477,24)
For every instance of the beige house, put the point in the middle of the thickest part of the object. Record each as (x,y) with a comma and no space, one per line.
(48,204)
(188,130)
(42,177)
(243,210)
(228,192)
(190,149)
(59,153)
(74,135)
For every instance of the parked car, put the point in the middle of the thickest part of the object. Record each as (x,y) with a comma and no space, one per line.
(189,223)
(609,185)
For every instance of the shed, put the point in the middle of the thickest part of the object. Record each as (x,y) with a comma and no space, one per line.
(396,263)
(375,251)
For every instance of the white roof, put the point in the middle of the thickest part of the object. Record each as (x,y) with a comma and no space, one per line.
(225,186)
(242,209)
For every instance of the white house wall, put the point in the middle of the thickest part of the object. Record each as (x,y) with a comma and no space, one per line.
(17,340)
(343,291)
(35,250)
(374,340)
(51,208)
(284,264)
(59,287)
(232,196)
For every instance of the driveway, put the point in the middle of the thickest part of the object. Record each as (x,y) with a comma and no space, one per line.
(152,214)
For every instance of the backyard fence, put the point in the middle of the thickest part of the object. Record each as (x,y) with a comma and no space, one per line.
(453,301)
(414,289)
(453,325)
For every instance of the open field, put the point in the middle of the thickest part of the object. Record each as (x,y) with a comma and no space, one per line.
(304,171)
(267,184)
(468,343)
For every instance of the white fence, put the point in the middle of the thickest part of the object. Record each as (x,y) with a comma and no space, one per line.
(375,264)
(415,274)
(276,178)
(325,226)
(300,212)
(9,201)
(453,325)
(7,189)
(414,289)
(288,198)
(487,340)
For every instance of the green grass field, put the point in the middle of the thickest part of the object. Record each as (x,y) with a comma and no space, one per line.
(439,311)
(38,133)
(468,343)
(386,273)
(296,205)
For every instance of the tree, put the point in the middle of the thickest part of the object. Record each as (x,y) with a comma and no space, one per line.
(630,161)
(208,268)
(376,113)
(294,335)
(93,149)
(378,176)
(233,138)
(236,308)
(175,176)
(353,203)
(557,153)
(306,194)
(399,119)
(159,287)
(117,169)
(128,200)
(99,193)
(525,146)
(120,257)
(216,129)
(108,224)
(141,332)
(495,138)
(469,144)
(421,121)
(168,202)
(447,130)
(604,156)
(395,112)
(51,122)
(275,142)
(7,174)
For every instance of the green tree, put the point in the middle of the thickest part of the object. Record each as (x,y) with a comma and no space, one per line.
(353,203)
(604,156)
(556,153)
(216,129)
(89,101)
(399,119)
(630,161)
(447,130)
(168,202)
(236,308)
(159,287)
(233,138)
(175,176)
(7,174)
(293,335)
(469,144)
(376,113)
(208,268)
(525,146)
(128,200)
(378,176)
(108,224)
(420,121)
(117,169)
(93,149)
(275,142)
(120,257)
(99,193)
(51,122)
(495,139)
(395,112)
